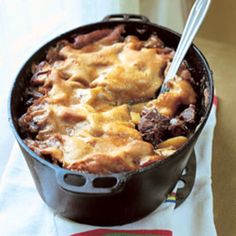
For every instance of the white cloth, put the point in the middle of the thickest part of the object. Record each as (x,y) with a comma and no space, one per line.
(22,212)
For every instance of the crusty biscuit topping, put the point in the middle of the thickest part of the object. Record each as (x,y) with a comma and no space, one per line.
(92,103)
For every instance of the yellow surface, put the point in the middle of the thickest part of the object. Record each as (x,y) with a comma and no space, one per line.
(222,60)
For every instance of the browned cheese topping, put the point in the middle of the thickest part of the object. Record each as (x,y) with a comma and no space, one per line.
(89,101)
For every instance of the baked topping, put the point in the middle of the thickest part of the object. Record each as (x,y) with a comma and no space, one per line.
(92,104)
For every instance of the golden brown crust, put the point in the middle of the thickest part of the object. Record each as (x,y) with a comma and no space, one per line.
(180,92)
(89,89)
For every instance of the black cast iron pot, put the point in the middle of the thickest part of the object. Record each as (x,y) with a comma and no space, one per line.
(116,198)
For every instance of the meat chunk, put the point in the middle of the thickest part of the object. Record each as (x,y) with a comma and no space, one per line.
(85,39)
(106,36)
(153,126)
(180,124)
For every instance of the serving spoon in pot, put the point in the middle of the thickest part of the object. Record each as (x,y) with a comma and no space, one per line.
(194,21)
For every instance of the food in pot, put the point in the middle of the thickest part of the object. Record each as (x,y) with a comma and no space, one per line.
(91,104)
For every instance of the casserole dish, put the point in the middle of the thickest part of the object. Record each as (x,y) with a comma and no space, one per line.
(118,198)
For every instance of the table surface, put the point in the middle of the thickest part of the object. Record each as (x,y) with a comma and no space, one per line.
(222,60)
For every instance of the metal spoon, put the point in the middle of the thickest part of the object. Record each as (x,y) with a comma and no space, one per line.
(194,21)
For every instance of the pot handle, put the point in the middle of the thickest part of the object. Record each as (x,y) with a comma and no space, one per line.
(188,179)
(84,183)
(126,17)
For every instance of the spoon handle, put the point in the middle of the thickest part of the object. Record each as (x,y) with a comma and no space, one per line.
(194,21)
